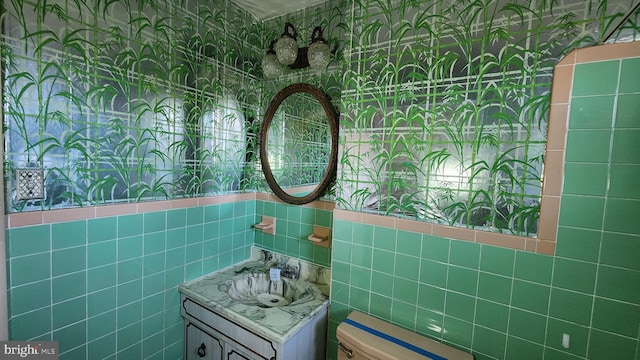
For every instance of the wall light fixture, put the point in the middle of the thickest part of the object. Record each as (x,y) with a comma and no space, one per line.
(284,52)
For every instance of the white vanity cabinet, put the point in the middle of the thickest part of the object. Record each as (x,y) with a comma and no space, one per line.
(211,335)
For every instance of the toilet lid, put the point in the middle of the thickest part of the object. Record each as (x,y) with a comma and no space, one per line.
(370,337)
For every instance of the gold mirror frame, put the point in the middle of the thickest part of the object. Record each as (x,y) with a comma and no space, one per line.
(332,119)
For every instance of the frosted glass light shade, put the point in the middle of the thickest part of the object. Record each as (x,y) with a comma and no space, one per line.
(319,55)
(271,67)
(286,50)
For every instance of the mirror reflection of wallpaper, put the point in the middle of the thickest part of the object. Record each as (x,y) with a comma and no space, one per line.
(448,104)
(129,100)
(299,142)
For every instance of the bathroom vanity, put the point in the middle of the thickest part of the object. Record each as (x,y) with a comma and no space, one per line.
(243,313)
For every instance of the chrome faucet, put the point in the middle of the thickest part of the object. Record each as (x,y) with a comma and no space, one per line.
(290,272)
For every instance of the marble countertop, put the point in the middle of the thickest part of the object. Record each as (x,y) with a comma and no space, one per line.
(277,323)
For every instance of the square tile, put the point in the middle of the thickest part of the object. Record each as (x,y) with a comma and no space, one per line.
(68,234)
(404,314)
(462,280)
(431,298)
(429,323)
(102,301)
(459,306)
(596,78)
(616,317)
(154,221)
(407,267)
(629,73)
(457,331)
(603,344)
(533,267)
(361,255)
(465,253)
(383,261)
(613,283)
(581,211)
(361,277)
(101,277)
(30,268)
(380,305)
(384,238)
(623,180)
(492,315)
(359,299)
(129,247)
(68,260)
(30,297)
(523,350)
(578,244)
(405,290)
(102,229)
(130,225)
(436,248)
(433,273)
(129,292)
(622,216)
(625,147)
(495,288)
(31,325)
(620,250)
(101,325)
(570,306)
(102,253)
(530,296)
(362,234)
(489,342)
(591,112)
(564,275)
(409,243)
(627,111)
(527,325)
(28,240)
(497,260)
(69,312)
(585,179)
(68,286)
(588,146)
(382,283)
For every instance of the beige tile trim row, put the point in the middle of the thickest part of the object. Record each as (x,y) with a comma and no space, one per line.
(451,232)
(31,218)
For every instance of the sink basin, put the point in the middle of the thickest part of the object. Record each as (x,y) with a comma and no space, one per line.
(258,289)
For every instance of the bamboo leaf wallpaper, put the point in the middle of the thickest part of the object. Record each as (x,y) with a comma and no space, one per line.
(125,101)
(446,105)
(442,104)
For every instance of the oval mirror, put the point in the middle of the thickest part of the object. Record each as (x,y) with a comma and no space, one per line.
(299,143)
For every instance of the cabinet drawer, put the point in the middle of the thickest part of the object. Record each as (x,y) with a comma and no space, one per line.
(235,334)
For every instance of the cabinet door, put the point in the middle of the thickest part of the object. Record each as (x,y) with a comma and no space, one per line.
(235,355)
(202,346)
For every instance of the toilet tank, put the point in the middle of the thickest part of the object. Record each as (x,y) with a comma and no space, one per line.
(363,337)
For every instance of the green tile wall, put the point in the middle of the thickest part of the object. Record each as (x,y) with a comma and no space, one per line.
(506,304)
(294,224)
(107,287)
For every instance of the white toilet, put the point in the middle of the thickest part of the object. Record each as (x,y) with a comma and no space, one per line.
(362,337)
